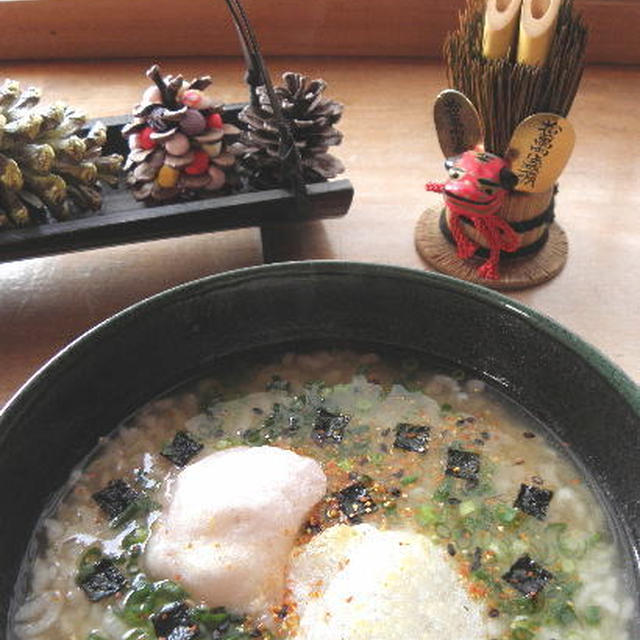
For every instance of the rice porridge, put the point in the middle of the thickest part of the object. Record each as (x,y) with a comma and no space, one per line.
(329,495)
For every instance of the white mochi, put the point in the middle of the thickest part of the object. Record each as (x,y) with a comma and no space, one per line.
(362,583)
(230,525)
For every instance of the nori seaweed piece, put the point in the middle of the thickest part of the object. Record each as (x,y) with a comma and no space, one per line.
(533,501)
(463,464)
(329,426)
(477,559)
(115,497)
(102,581)
(181,449)
(412,437)
(174,622)
(528,577)
(354,501)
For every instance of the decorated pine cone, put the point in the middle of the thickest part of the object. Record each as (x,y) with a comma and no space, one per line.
(178,141)
(50,167)
(311,118)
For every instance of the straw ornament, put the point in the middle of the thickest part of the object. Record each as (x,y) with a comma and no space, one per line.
(515,66)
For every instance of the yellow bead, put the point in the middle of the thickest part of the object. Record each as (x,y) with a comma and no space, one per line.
(213,149)
(167,177)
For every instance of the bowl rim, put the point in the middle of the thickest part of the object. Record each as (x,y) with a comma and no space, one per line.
(597,364)
(597,360)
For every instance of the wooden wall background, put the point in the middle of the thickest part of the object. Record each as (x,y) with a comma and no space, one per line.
(49,29)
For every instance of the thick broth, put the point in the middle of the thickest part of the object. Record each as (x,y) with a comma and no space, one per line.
(437,454)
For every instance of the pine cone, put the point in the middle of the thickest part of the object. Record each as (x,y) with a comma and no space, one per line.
(178,140)
(47,169)
(311,118)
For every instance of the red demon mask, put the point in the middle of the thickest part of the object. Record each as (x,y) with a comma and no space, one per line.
(475,190)
(477,182)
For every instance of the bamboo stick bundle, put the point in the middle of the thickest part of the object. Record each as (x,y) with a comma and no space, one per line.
(506,91)
(538,20)
(500,32)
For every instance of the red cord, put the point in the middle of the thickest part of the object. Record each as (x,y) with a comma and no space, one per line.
(438,187)
(499,234)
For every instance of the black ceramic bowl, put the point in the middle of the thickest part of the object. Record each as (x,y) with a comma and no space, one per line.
(55,420)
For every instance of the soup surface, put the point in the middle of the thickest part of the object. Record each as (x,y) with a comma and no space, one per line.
(441,509)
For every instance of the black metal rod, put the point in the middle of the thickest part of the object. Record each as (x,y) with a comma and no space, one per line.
(257,73)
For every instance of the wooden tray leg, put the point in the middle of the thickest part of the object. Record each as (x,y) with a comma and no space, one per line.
(295,241)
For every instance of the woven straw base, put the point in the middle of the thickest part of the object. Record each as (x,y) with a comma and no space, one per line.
(517,273)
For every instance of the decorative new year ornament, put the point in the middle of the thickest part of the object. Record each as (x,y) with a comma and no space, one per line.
(492,203)
(475,191)
(507,114)
(51,163)
(183,174)
(178,141)
(311,118)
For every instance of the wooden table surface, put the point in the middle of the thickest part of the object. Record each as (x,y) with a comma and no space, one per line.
(390,150)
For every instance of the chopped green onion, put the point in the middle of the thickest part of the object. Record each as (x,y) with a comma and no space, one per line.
(358,429)
(426,515)
(592,615)
(211,619)
(505,514)
(137,536)
(87,562)
(463,537)
(522,634)
(443,492)
(408,480)
(565,614)
(148,597)
(466,507)
(139,507)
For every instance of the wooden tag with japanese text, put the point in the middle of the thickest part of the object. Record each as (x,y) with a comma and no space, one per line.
(539,150)
(457,123)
